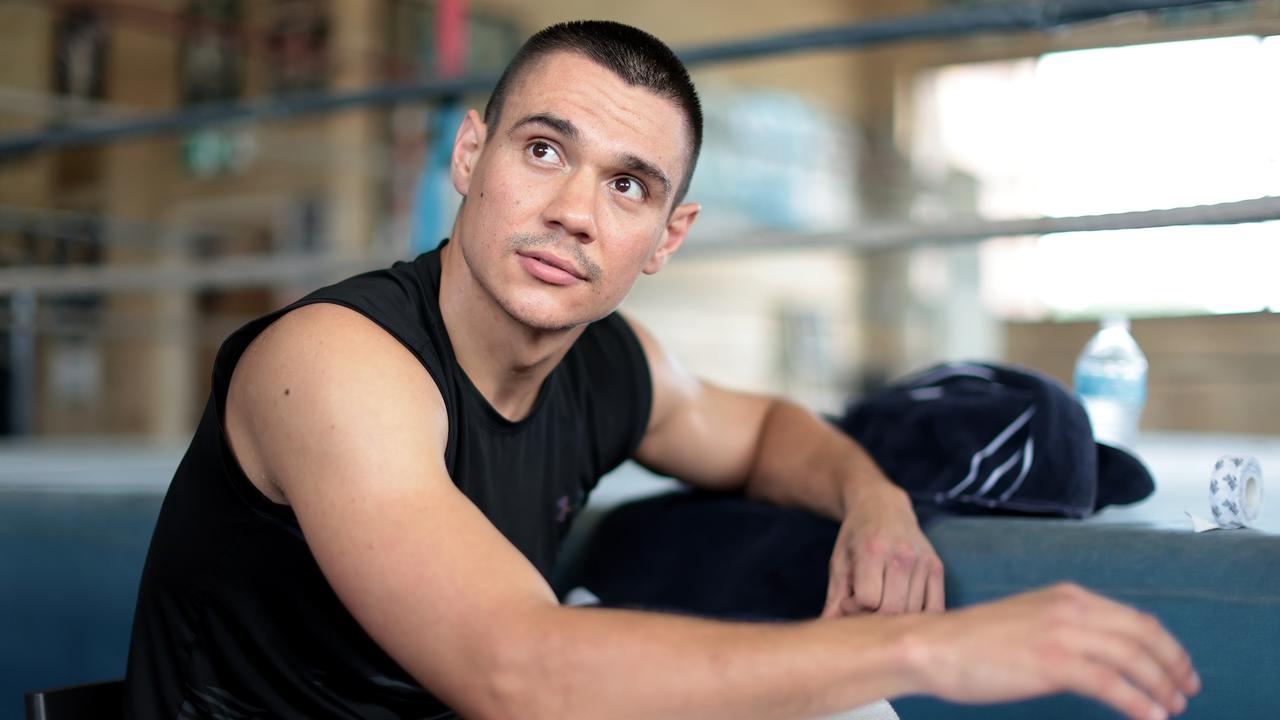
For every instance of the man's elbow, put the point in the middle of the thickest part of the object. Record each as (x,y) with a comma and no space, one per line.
(520,674)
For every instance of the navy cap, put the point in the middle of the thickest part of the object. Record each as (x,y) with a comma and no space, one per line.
(980,436)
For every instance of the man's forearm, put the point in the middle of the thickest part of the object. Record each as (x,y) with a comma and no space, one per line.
(802,461)
(547,661)
(586,662)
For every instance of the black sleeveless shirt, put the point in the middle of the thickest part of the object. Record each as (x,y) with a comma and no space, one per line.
(235,619)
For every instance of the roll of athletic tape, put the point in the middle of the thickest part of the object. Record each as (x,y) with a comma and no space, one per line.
(1235,491)
(1235,494)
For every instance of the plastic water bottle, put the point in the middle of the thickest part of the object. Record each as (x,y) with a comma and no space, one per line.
(1111,382)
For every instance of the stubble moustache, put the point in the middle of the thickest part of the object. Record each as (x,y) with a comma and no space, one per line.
(525,241)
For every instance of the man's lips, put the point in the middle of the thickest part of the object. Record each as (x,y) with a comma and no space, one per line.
(555,269)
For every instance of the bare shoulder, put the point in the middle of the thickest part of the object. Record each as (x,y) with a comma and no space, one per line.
(698,431)
(319,375)
(344,424)
(671,381)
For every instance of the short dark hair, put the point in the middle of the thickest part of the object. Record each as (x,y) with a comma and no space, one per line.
(634,55)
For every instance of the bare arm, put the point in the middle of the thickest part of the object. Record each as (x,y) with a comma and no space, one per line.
(440,589)
(769,447)
(778,451)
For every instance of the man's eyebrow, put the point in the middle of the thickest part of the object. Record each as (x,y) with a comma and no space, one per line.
(633,163)
(638,165)
(559,124)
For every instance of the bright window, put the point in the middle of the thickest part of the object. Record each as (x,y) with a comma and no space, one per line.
(1115,130)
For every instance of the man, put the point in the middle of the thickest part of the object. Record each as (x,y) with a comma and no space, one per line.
(364,522)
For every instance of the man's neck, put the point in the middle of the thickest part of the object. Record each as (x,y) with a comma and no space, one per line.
(506,360)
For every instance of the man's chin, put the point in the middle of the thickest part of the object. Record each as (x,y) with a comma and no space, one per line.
(548,320)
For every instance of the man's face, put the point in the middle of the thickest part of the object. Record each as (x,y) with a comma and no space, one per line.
(570,197)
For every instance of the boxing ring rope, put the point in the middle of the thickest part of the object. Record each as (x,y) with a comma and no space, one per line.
(951,22)
(894,237)
(284,269)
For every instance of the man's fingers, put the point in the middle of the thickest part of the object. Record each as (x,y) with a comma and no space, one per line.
(837,581)
(1130,642)
(1062,638)
(830,610)
(919,581)
(868,578)
(899,568)
(1152,636)
(935,594)
(1108,686)
(1131,658)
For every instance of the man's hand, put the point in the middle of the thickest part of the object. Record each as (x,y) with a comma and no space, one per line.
(777,451)
(1061,639)
(882,561)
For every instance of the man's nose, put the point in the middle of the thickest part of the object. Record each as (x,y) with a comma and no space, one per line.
(572,209)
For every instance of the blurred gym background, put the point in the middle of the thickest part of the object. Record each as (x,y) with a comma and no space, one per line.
(885,184)
(172,168)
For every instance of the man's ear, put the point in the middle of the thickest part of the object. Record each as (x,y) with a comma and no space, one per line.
(467,146)
(672,236)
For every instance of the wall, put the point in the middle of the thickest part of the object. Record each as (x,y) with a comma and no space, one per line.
(1216,374)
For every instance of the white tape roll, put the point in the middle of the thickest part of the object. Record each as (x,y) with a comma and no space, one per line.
(1235,491)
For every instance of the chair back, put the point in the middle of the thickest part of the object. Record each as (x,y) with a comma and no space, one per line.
(78,702)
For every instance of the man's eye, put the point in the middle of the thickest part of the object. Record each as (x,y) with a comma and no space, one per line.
(629,187)
(543,152)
